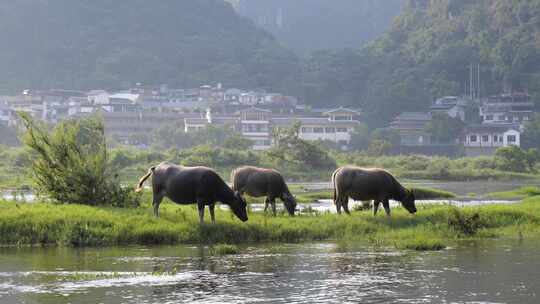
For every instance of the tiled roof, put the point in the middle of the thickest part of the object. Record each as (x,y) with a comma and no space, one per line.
(312,121)
(414,116)
(496,127)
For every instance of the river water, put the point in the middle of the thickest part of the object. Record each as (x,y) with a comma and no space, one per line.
(492,271)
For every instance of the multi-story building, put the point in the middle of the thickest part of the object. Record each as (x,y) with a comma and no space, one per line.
(257,124)
(411,127)
(453,106)
(507,108)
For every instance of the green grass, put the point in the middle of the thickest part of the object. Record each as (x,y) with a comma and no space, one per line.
(520,193)
(420,193)
(432,227)
(431,193)
(224,249)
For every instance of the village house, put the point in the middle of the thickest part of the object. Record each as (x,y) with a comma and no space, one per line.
(257,124)
(484,139)
(507,108)
(411,127)
(453,106)
(7,116)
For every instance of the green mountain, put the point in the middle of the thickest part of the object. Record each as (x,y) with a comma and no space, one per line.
(428,53)
(104,44)
(308,25)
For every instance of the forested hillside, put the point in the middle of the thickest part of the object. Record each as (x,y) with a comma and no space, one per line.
(308,25)
(427,53)
(103,44)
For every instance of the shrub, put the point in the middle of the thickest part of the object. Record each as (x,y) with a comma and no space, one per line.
(464,223)
(71,163)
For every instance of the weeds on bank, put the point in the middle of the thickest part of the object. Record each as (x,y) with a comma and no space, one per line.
(430,229)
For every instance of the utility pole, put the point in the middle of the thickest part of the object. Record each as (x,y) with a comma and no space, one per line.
(478,83)
(471,81)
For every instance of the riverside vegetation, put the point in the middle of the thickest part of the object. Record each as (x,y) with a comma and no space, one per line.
(71,161)
(434,227)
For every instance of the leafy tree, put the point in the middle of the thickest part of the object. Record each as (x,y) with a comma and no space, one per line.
(8,136)
(515,159)
(378,147)
(291,150)
(71,163)
(443,128)
(360,138)
(531,133)
(237,142)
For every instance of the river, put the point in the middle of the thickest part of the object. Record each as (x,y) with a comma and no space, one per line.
(491,271)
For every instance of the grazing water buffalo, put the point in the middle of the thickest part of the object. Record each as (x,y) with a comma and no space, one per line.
(189,185)
(369,184)
(259,182)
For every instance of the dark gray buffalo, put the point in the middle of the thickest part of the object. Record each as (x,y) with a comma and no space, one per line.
(258,182)
(190,185)
(369,184)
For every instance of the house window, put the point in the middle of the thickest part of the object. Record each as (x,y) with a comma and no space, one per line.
(516,118)
(495,138)
(472,138)
(525,117)
(307,130)
(511,138)
(318,130)
(342,130)
(500,117)
(485,138)
(330,130)
(489,117)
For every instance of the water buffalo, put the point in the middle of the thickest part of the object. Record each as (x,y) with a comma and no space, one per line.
(190,185)
(369,184)
(258,182)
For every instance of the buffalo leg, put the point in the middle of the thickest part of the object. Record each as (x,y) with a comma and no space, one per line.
(345,205)
(376,204)
(156,201)
(386,205)
(338,205)
(200,206)
(273,203)
(212,214)
(266,204)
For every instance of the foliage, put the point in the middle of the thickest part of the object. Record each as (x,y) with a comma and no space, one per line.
(296,28)
(71,163)
(8,136)
(427,54)
(174,136)
(443,128)
(181,43)
(224,249)
(515,159)
(291,150)
(77,225)
(521,193)
(531,133)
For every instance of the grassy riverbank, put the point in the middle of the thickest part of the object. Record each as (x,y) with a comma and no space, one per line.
(307,196)
(434,227)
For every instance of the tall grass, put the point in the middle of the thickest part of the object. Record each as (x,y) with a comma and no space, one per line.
(78,225)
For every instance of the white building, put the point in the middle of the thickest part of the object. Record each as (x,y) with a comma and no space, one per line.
(484,139)
(507,108)
(257,124)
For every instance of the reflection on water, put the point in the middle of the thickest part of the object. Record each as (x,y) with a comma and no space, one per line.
(487,272)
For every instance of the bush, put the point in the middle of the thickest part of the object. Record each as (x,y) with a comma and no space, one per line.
(71,164)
